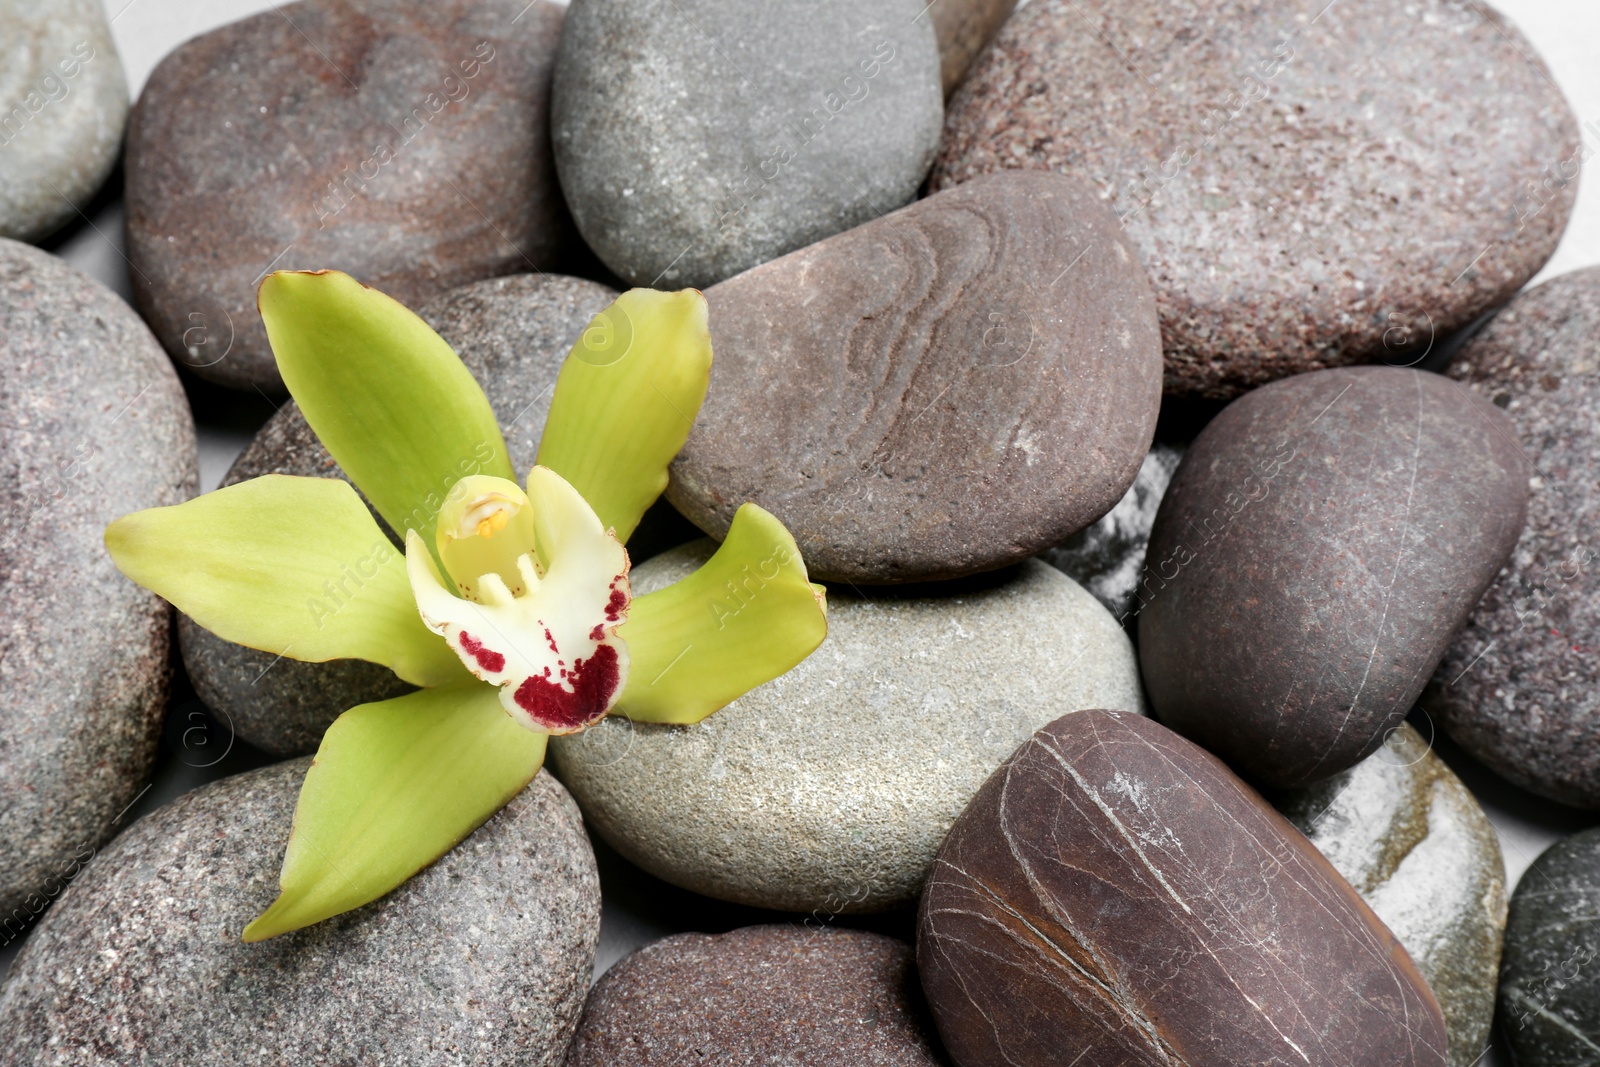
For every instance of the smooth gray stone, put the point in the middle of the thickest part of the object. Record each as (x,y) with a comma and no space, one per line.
(699,138)
(1408,835)
(513,334)
(93,425)
(481,959)
(832,786)
(63,106)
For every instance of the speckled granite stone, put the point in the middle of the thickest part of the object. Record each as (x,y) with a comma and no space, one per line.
(93,425)
(942,391)
(832,786)
(1107,558)
(512,333)
(761,996)
(1520,686)
(482,959)
(1115,893)
(963,27)
(63,104)
(1310,184)
(406,145)
(698,138)
(1411,839)
(1550,980)
(1324,538)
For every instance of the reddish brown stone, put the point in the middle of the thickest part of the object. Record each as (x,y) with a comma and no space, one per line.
(1114,893)
(1311,184)
(407,145)
(1322,540)
(948,389)
(763,996)
(963,27)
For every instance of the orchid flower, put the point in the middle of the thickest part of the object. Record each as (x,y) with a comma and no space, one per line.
(510,606)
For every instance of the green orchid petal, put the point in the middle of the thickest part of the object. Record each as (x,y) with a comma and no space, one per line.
(625,400)
(292,566)
(388,397)
(396,785)
(747,616)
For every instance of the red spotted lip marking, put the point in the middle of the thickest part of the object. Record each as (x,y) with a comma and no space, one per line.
(617,603)
(487,658)
(594,682)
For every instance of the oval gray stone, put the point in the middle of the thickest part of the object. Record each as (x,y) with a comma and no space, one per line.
(699,138)
(832,786)
(65,102)
(1322,541)
(946,390)
(963,28)
(513,334)
(408,147)
(1279,170)
(784,996)
(1408,835)
(1519,687)
(93,425)
(481,959)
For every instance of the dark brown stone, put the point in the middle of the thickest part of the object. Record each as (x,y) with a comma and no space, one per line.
(1321,542)
(1519,687)
(963,27)
(1115,893)
(1311,184)
(762,996)
(948,389)
(407,145)
(513,334)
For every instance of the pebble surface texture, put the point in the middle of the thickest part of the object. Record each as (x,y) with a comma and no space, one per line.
(1550,981)
(1108,558)
(1310,185)
(1520,686)
(1322,541)
(1408,835)
(482,959)
(963,27)
(761,996)
(832,786)
(93,425)
(513,334)
(946,390)
(1114,892)
(405,145)
(63,104)
(699,138)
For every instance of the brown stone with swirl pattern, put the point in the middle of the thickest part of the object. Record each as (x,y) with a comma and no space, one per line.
(1114,896)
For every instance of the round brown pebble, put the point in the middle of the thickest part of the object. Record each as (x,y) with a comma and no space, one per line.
(762,996)
(1310,185)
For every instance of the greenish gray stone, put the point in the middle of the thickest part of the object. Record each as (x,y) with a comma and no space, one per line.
(480,960)
(1408,835)
(831,787)
(63,106)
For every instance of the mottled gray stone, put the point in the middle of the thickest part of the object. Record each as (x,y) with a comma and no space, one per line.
(1115,893)
(761,996)
(1550,979)
(1408,835)
(1519,687)
(946,390)
(1322,541)
(482,959)
(63,104)
(1107,558)
(513,334)
(832,786)
(93,425)
(963,28)
(1310,184)
(699,138)
(406,145)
